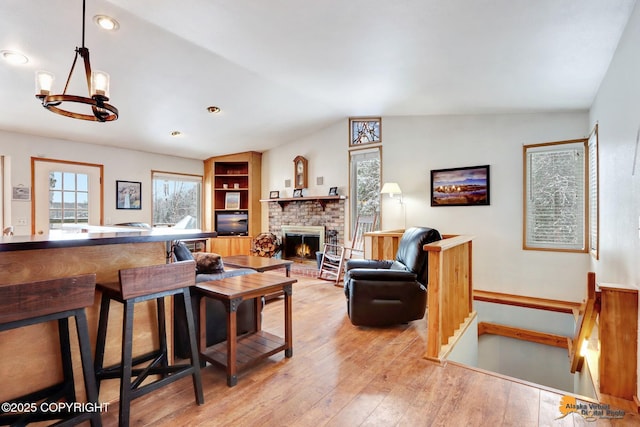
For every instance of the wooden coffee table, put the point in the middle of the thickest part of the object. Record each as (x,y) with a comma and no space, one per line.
(257,263)
(239,352)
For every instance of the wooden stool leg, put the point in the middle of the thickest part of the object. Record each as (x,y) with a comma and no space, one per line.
(162,333)
(90,386)
(195,359)
(127,355)
(68,390)
(101,338)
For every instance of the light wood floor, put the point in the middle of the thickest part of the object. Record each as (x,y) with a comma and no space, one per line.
(342,375)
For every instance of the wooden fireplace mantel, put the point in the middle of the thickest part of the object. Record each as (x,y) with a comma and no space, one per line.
(322,200)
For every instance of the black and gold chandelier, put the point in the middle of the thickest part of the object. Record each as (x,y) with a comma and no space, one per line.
(97,85)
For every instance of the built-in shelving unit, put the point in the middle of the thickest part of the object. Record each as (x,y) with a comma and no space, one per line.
(232,184)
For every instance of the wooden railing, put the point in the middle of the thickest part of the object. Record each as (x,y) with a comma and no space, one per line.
(613,362)
(450,294)
(450,287)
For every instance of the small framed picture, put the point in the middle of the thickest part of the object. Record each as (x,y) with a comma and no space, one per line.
(297,192)
(365,130)
(128,195)
(21,193)
(274,194)
(232,200)
(333,191)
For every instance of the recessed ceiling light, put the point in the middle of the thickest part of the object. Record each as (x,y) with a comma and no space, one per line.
(106,22)
(176,133)
(213,109)
(14,57)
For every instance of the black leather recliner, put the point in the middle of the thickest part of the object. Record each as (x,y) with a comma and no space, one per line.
(384,293)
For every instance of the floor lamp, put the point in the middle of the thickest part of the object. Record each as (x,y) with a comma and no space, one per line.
(392,188)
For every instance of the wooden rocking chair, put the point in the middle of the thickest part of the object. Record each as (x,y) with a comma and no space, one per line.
(333,256)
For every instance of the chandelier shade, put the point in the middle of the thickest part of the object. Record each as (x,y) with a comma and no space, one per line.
(97,89)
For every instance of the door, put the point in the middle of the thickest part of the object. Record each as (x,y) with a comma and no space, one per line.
(65,193)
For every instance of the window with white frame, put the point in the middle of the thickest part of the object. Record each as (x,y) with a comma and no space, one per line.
(177,200)
(68,199)
(555,202)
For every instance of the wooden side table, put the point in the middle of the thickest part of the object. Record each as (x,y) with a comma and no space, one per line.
(239,352)
(259,264)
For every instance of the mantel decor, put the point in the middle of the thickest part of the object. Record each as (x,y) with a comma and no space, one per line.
(467,186)
(321,200)
(97,85)
(300,166)
(128,195)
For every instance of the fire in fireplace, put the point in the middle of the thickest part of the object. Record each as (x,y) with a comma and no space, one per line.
(302,242)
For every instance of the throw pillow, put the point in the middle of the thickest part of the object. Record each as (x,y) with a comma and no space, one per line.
(182,252)
(208,263)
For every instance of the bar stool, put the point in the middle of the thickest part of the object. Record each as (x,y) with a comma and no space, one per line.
(137,285)
(26,304)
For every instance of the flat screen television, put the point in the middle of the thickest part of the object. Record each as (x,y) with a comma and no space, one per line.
(234,223)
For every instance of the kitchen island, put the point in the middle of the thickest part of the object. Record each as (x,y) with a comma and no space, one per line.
(29,357)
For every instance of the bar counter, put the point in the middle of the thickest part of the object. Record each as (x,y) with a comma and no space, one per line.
(29,356)
(97,235)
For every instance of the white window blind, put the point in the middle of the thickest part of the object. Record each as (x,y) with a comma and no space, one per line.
(555,204)
(594,220)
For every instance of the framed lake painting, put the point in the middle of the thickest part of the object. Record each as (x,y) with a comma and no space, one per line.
(468,186)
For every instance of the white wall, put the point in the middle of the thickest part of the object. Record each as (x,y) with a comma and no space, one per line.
(119,164)
(617,111)
(412,146)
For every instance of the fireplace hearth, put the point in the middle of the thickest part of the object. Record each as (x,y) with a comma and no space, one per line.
(300,243)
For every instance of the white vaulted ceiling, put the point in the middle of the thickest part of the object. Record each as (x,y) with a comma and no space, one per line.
(282,69)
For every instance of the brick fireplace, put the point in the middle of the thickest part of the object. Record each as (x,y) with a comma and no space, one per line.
(301,242)
(304,218)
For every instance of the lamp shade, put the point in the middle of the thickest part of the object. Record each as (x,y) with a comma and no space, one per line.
(44,82)
(100,84)
(391,188)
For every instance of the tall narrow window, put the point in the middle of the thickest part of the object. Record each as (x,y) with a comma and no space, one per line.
(177,200)
(365,173)
(555,213)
